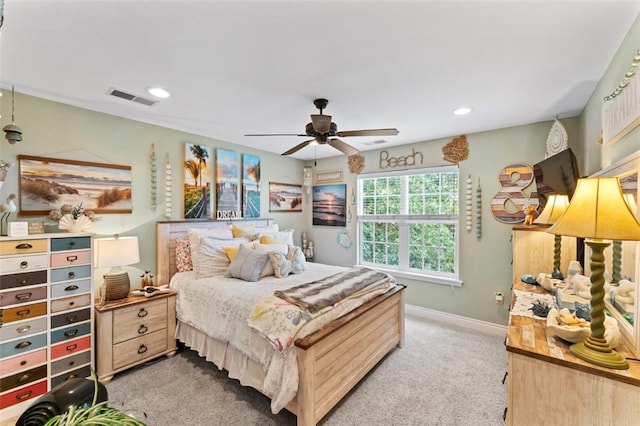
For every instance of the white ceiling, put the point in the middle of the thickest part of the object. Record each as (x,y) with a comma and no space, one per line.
(236,67)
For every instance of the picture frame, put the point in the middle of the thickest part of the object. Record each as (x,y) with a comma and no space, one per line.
(250,185)
(48,183)
(328,176)
(330,205)
(285,197)
(196,188)
(227,185)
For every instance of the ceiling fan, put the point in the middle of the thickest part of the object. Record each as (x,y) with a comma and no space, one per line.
(324,131)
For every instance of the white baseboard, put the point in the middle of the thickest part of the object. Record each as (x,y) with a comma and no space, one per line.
(470,323)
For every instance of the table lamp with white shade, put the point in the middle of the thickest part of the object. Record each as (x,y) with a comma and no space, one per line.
(116,252)
(598,212)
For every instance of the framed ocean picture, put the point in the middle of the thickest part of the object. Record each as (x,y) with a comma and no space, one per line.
(330,205)
(197,181)
(285,197)
(250,185)
(49,183)
(227,190)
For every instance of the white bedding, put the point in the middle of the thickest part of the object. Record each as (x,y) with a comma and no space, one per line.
(220,307)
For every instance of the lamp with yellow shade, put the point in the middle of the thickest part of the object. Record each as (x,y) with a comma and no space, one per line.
(556,205)
(598,212)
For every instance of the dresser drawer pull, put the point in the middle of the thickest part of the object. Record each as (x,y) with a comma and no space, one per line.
(24,264)
(24,396)
(72,243)
(23,362)
(72,303)
(23,329)
(142,329)
(24,281)
(23,313)
(71,287)
(24,246)
(72,363)
(143,313)
(24,378)
(72,348)
(71,333)
(23,345)
(71,259)
(142,349)
(24,296)
(72,274)
(72,318)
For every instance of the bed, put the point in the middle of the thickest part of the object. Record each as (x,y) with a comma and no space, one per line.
(327,363)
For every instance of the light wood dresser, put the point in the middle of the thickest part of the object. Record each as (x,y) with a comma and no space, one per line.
(134,330)
(546,384)
(46,315)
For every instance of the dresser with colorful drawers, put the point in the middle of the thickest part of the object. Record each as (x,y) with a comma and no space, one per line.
(46,315)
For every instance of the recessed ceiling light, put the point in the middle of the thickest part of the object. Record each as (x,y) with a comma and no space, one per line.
(462,111)
(158,92)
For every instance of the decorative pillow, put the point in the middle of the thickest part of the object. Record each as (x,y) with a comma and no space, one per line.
(183,255)
(233,250)
(248,231)
(279,237)
(266,248)
(211,258)
(195,233)
(292,263)
(247,264)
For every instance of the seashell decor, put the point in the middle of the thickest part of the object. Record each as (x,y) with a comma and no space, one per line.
(456,150)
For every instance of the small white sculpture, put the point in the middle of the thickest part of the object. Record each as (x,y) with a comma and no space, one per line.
(581,285)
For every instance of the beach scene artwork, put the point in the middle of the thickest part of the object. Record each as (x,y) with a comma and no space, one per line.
(250,185)
(227,206)
(285,197)
(197,181)
(47,184)
(330,205)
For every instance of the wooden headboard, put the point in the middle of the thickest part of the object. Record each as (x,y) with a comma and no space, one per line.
(168,231)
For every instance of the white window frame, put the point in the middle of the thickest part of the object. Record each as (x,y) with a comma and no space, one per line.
(403,220)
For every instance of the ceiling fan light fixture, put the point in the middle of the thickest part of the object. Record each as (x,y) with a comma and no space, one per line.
(462,110)
(313,143)
(158,92)
(321,122)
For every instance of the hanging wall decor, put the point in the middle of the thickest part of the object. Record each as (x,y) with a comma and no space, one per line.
(356,163)
(468,203)
(250,185)
(508,205)
(557,141)
(621,109)
(329,205)
(227,206)
(457,150)
(285,197)
(154,184)
(478,212)
(167,187)
(197,181)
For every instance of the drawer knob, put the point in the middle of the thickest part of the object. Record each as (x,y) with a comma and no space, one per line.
(71,333)
(72,318)
(142,329)
(23,345)
(23,362)
(24,264)
(24,296)
(24,246)
(24,281)
(72,274)
(71,287)
(143,313)
(142,349)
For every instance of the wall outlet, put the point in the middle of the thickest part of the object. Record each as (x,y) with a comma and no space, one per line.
(499,298)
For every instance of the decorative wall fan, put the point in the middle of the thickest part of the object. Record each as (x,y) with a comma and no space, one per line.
(323,131)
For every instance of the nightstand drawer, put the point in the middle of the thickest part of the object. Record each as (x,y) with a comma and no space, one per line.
(133,315)
(23,263)
(22,246)
(22,329)
(23,279)
(23,296)
(74,302)
(70,258)
(70,318)
(23,312)
(25,361)
(135,350)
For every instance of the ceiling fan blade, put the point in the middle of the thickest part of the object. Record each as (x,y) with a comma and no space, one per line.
(298,147)
(276,134)
(369,132)
(321,123)
(341,146)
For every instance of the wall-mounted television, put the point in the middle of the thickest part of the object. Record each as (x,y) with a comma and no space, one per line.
(557,174)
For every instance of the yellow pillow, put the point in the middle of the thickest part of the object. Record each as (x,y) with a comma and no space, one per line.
(231,252)
(243,231)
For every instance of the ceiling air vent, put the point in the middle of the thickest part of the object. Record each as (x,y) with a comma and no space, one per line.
(129,97)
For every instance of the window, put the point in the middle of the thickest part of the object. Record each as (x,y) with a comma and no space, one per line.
(408,222)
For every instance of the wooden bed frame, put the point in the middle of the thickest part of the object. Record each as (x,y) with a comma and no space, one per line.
(332,360)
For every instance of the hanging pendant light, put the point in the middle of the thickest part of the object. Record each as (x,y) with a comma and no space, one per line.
(13,132)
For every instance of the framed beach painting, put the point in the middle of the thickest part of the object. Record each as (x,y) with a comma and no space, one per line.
(330,205)
(250,185)
(227,205)
(285,197)
(48,183)
(197,181)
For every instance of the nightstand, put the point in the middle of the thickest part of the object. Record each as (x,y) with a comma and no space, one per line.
(134,330)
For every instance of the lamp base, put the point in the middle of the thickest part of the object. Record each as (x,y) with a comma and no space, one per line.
(597,351)
(116,286)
